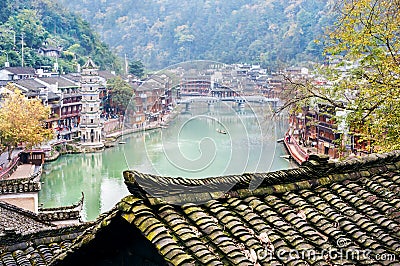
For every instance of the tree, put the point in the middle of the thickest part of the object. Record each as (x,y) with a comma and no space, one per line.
(28,23)
(365,43)
(136,68)
(22,120)
(121,93)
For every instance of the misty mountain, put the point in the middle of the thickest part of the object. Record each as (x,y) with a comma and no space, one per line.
(165,32)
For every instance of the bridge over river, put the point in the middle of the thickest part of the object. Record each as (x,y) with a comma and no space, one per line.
(240,100)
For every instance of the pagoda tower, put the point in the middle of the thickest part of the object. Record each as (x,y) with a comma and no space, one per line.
(90,123)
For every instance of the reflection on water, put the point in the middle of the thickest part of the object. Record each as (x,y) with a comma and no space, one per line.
(190,146)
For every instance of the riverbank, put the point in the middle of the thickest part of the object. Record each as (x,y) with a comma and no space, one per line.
(168,151)
(301,153)
(111,139)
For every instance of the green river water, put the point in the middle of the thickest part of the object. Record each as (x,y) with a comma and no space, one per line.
(190,146)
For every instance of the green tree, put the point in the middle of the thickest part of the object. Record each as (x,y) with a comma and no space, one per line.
(365,42)
(22,121)
(136,68)
(45,23)
(27,23)
(121,93)
(169,32)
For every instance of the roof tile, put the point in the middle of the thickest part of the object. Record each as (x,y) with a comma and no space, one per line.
(315,207)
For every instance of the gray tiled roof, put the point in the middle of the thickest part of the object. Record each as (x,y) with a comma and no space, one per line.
(27,238)
(62,82)
(75,77)
(321,208)
(30,84)
(89,64)
(16,220)
(38,248)
(21,70)
(106,74)
(52,96)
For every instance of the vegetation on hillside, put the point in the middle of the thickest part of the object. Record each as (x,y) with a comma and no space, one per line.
(364,42)
(162,33)
(136,68)
(32,24)
(121,93)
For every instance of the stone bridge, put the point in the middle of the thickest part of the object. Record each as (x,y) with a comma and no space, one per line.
(240,100)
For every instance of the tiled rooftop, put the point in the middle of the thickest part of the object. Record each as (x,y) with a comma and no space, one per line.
(344,213)
(21,70)
(30,84)
(14,220)
(27,238)
(38,248)
(60,81)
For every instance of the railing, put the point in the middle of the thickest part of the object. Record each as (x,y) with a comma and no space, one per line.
(12,166)
(9,170)
(69,113)
(72,94)
(325,139)
(327,125)
(71,103)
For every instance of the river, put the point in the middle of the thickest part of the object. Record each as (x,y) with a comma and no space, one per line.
(192,145)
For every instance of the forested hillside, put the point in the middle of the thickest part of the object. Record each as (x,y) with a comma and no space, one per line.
(29,25)
(164,32)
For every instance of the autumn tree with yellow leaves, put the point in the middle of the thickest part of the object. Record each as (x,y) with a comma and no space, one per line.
(22,121)
(363,74)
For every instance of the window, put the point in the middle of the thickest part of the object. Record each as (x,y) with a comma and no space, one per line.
(91,121)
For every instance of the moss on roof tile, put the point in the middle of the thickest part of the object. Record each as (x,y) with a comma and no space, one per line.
(310,208)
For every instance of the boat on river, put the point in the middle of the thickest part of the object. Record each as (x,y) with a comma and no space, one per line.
(221,131)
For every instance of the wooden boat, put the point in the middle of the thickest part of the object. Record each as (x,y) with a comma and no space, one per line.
(221,131)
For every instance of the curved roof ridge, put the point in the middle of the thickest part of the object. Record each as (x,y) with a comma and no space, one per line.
(76,206)
(89,64)
(22,211)
(44,236)
(370,160)
(315,172)
(321,205)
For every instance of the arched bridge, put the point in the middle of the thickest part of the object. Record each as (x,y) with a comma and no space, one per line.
(196,99)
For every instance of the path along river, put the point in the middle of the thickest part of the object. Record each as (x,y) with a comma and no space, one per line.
(193,145)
